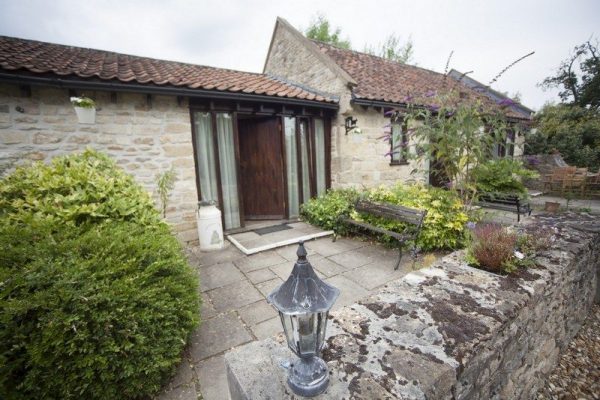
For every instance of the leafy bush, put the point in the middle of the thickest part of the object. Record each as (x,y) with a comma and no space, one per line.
(443,228)
(493,248)
(502,250)
(571,130)
(325,210)
(444,225)
(502,176)
(97,305)
(76,189)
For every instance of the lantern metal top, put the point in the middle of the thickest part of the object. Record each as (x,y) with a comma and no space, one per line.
(303,292)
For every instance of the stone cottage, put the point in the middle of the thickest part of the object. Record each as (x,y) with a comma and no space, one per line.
(367,87)
(257,145)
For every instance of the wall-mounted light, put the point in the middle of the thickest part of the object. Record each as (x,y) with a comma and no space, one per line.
(350,123)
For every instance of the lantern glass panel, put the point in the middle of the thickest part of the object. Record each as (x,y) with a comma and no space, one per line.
(288,327)
(307,334)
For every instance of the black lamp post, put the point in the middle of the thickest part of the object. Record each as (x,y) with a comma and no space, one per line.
(303,302)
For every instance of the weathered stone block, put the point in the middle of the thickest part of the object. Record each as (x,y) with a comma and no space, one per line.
(12,137)
(50,137)
(178,150)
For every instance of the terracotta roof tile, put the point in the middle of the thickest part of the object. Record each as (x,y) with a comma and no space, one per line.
(393,82)
(40,58)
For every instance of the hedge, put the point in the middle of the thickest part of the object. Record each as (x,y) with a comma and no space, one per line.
(93,305)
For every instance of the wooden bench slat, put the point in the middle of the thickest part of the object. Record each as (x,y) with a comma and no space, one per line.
(391,212)
(365,225)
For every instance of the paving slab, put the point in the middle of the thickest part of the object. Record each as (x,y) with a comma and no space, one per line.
(212,377)
(329,268)
(268,286)
(229,253)
(257,312)
(350,291)
(289,252)
(234,296)
(180,393)
(326,247)
(250,244)
(184,375)
(246,236)
(217,335)
(353,258)
(219,275)
(268,328)
(261,275)
(377,274)
(259,261)
(282,270)
(206,309)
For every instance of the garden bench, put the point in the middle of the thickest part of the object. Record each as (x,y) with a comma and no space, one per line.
(505,202)
(411,217)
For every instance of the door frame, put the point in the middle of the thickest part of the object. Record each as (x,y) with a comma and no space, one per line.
(235,110)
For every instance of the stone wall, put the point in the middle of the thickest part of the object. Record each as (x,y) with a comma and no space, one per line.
(448,331)
(145,138)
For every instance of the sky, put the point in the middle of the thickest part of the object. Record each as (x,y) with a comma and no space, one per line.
(485,36)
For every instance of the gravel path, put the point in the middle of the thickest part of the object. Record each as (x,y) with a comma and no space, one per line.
(577,376)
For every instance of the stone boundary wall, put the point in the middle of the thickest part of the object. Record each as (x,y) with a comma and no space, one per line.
(144,137)
(448,331)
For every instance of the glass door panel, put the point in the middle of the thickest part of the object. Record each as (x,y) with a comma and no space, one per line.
(305,159)
(320,171)
(291,159)
(228,170)
(205,154)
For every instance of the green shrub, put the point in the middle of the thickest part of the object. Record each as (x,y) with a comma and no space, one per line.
(76,189)
(502,176)
(102,314)
(325,210)
(444,226)
(93,304)
(503,250)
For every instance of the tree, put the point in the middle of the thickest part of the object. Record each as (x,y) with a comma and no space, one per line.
(578,77)
(393,50)
(571,130)
(454,135)
(321,30)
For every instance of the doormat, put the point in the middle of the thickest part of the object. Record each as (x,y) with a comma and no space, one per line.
(271,229)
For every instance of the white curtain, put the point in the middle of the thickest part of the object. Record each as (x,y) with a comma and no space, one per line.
(205,153)
(227,165)
(320,156)
(291,156)
(305,161)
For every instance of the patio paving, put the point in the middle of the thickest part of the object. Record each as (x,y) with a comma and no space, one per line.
(235,311)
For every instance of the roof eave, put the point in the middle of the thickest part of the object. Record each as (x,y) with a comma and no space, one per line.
(388,104)
(117,86)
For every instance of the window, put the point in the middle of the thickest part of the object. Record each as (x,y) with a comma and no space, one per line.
(398,144)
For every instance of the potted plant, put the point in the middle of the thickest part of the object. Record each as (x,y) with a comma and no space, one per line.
(85,109)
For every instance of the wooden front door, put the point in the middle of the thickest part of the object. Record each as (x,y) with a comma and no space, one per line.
(261,168)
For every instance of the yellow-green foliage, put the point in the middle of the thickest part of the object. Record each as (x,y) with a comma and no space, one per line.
(444,226)
(75,189)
